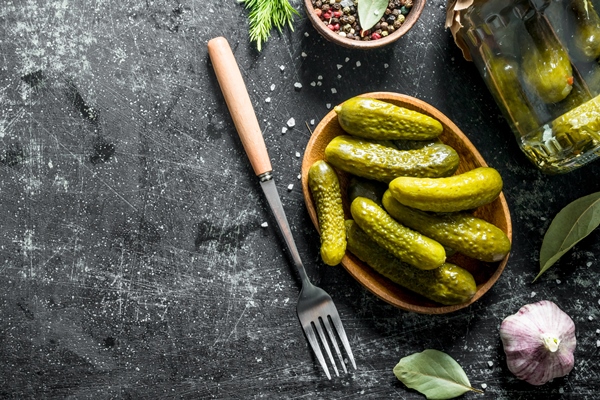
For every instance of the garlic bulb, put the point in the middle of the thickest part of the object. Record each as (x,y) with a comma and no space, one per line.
(539,341)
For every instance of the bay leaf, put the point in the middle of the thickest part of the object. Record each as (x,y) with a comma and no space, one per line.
(573,223)
(370,12)
(433,373)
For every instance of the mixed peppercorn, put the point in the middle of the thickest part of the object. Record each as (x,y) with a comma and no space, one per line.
(341,17)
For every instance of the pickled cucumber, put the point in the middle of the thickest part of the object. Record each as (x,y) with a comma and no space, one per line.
(465,191)
(447,285)
(548,72)
(375,119)
(325,188)
(361,187)
(404,243)
(365,158)
(587,32)
(471,236)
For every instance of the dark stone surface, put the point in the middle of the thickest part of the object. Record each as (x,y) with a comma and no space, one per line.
(133,262)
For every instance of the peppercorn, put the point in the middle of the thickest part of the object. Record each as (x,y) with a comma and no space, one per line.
(325,7)
(397,24)
(390,19)
(346,10)
(351,19)
(336,6)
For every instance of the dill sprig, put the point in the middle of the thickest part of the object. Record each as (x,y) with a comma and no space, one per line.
(264,15)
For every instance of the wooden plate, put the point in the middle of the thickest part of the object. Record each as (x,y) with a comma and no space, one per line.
(497,212)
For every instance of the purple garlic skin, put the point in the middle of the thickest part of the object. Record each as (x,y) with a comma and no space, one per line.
(539,341)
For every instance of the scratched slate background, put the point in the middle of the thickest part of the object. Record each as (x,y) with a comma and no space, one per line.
(133,262)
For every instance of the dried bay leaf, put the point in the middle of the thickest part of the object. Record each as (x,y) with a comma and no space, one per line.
(370,12)
(573,223)
(433,373)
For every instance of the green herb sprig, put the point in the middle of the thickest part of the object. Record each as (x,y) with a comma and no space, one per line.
(264,15)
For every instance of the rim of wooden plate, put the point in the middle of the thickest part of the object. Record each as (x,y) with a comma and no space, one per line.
(497,212)
(329,35)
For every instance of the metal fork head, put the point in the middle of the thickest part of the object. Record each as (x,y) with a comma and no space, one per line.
(321,323)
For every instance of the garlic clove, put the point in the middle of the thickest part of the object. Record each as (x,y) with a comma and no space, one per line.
(539,341)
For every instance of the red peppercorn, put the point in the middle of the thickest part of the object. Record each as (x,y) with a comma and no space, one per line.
(327,15)
(337,14)
(375,36)
(331,27)
(318,12)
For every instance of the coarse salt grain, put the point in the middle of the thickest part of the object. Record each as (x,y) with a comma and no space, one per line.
(299,176)
(298,85)
(320,77)
(284,129)
(484,385)
(264,224)
(298,154)
(290,187)
(291,122)
(386,65)
(304,54)
(590,318)
(328,105)
(533,294)
(597,343)
(313,83)
(491,363)
(312,121)
(358,64)
(347,59)
(272,87)
(282,67)
(319,83)
(306,34)
(339,66)
(333,90)
(268,100)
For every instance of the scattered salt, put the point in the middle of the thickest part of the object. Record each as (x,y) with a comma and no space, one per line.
(590,318)
(358,64)
(491,363)
(484,386)
(290,187)
(284,130)
(588,264)
(313,83)
(264,224)
(272,86)
(282,67)
(291,122)
(304,54)
(558,281)
(347,59)
(561,390)
(533,294)
(312,121)
(339,66)
(597,343)
(333,90)
(306,34)
(298,85)
(386,65)
(339,76)
(320,77)
(268,100)
(299,176)
(328,105)
(319,83)
(298,154)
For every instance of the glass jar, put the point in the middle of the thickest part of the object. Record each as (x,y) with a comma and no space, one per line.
(541,61)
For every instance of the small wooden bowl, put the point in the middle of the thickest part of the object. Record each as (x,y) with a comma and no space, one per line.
(497,212)
(411,19)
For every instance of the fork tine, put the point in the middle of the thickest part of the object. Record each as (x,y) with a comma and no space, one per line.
(337,322)
(312,339)
(325,343)
(334,342)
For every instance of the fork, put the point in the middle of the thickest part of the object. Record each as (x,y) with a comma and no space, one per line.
(316,311)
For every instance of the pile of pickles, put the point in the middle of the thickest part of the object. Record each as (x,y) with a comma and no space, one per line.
(541,61)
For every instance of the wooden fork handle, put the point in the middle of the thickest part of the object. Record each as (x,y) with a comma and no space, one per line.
(239,104)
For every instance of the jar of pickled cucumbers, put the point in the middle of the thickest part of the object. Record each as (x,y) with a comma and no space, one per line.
(540,59)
